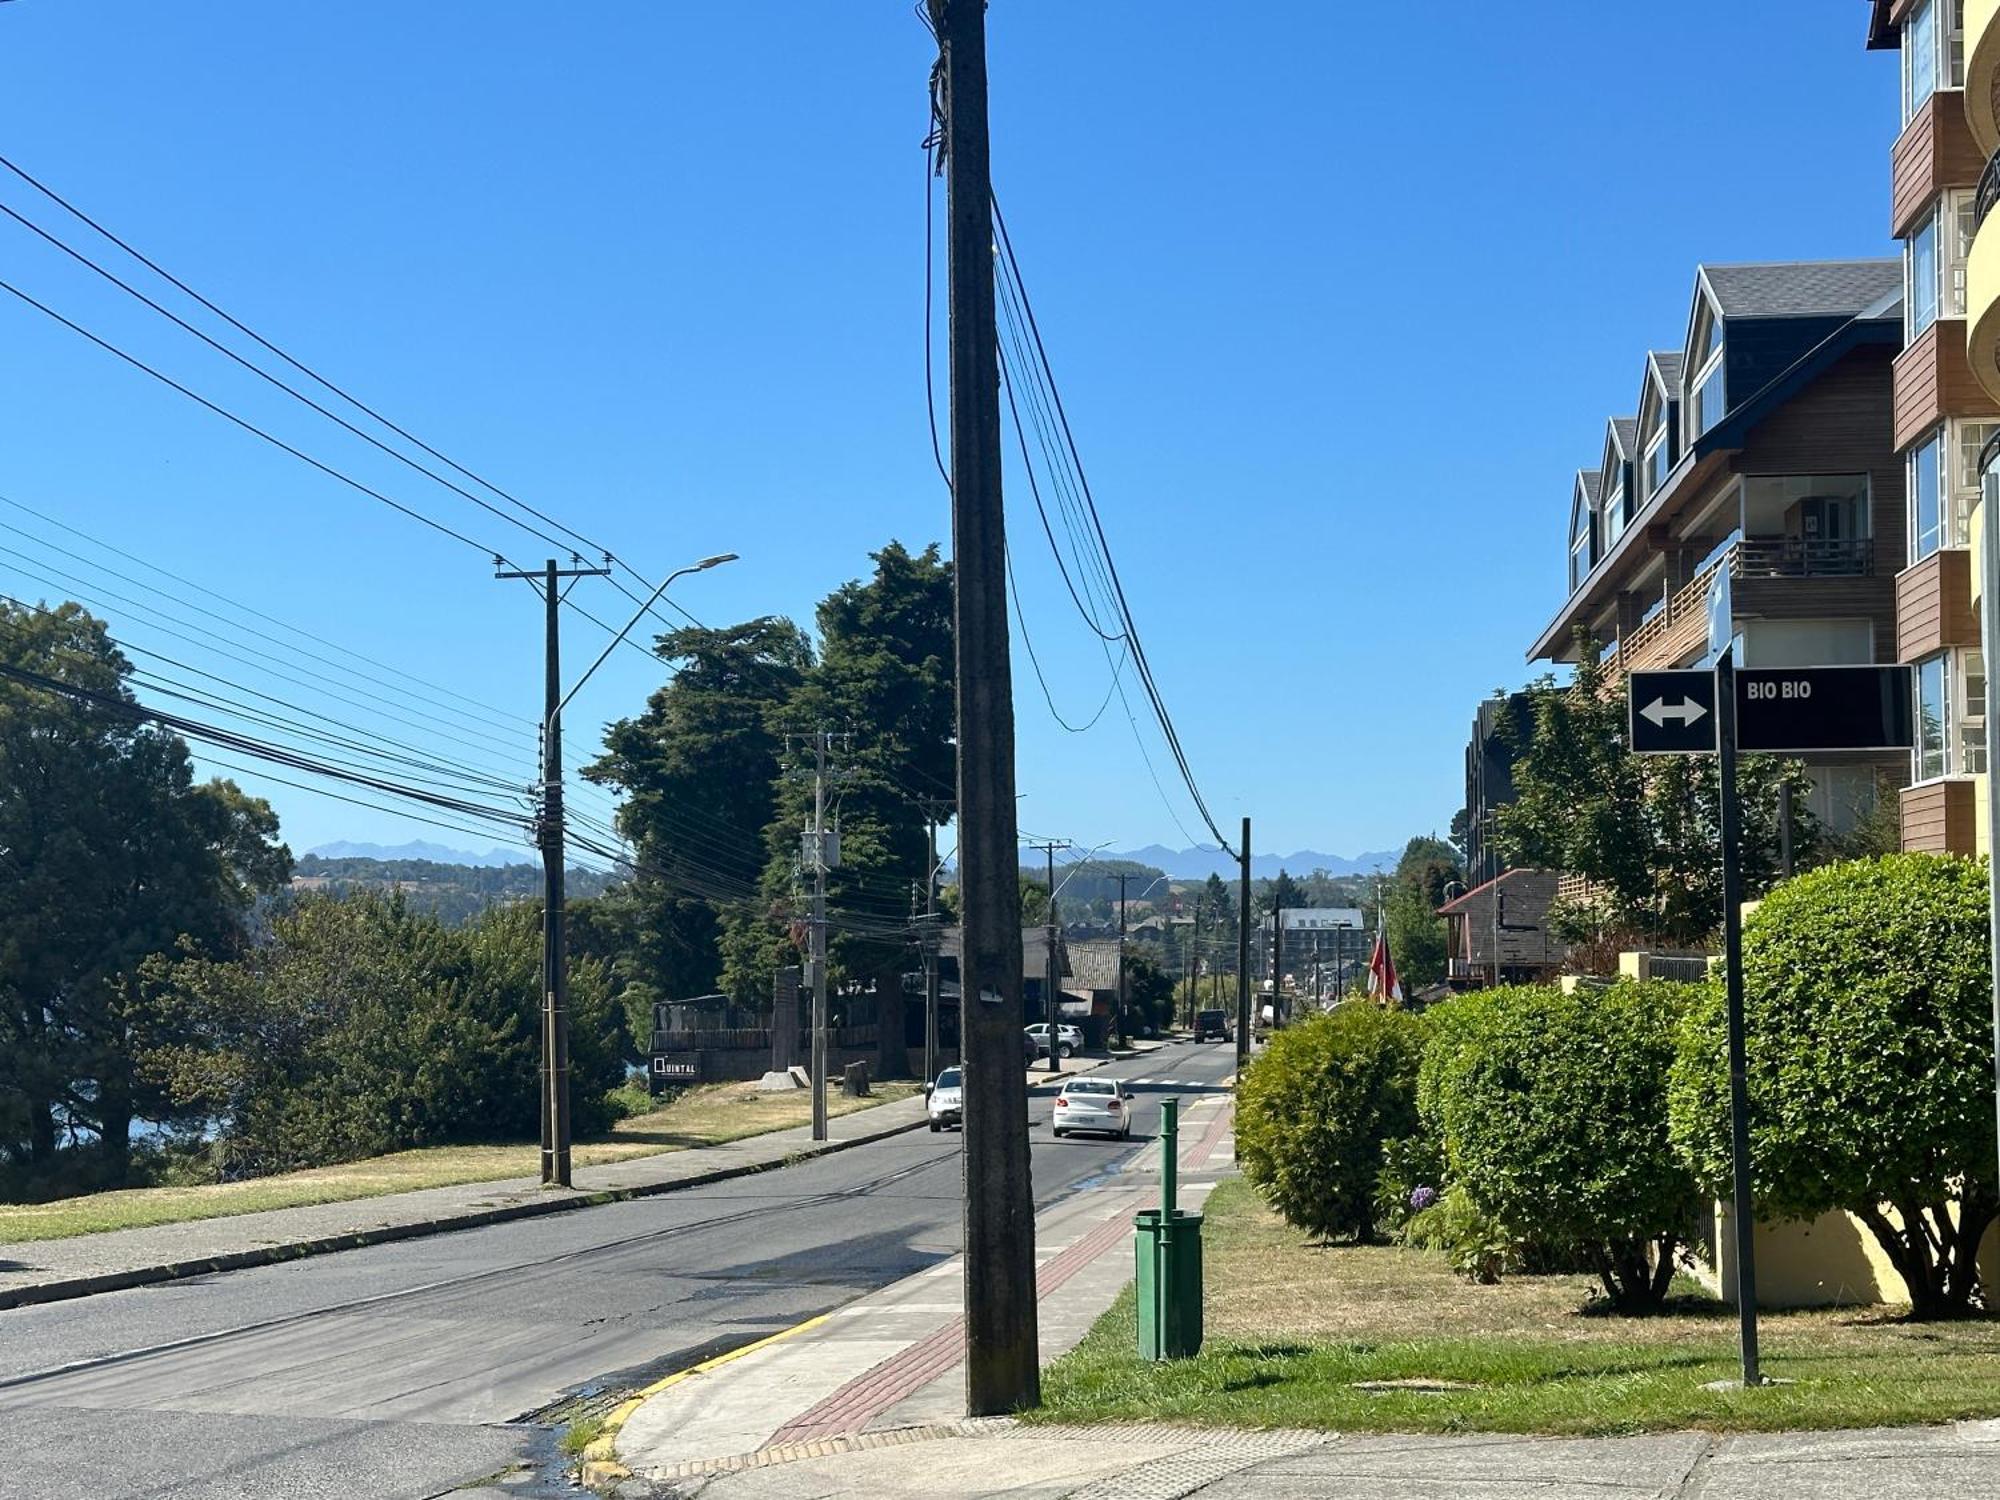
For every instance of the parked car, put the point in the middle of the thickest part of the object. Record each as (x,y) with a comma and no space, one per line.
(1211,1026)
(1069,1039)
(947,1100)
(1098,1105)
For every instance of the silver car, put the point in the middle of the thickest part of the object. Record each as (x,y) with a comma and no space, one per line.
(947,1099)
(1097,1105)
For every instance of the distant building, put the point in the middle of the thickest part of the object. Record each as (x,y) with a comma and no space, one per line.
(1489,779)
(1498,932)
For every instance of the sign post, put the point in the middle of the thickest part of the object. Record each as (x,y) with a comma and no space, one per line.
(1740,1221)
(1785,710)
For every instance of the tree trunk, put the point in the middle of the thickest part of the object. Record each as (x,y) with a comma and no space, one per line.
(1909,1252)
(115,1131)
(41,1132)
(892,1036)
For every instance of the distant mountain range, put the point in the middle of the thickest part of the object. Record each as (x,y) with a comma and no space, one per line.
(1199,864)
(437,854)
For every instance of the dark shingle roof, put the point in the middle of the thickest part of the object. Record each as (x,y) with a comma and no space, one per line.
(1626,431)
(1802,288)
(1668,363)
(1592,482)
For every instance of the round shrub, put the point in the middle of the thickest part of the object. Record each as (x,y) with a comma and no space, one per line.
(1315,1109)
(1553,1113)
(1869,1040)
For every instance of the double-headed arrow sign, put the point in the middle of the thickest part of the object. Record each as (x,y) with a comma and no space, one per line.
(1790,710)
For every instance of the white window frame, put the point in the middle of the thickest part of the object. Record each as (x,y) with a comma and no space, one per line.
(1928,456)
(1964,482)
(1612,508)
(1582,541)
(1949,224)
(1966,750)
(1938,66)
(1919,771)
(1702,419)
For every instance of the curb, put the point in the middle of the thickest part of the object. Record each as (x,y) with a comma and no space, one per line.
(268,1255)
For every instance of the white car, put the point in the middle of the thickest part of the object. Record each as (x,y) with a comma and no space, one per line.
(1099,1105)
(1069,1039)
(947,1099)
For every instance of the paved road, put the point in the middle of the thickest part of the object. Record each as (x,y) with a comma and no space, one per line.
(416,1368)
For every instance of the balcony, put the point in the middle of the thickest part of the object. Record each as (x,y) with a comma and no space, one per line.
(1801,557)
(1982,72)
(1982,283)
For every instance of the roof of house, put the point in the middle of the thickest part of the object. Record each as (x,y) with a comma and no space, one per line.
(1802,288)
(1625,432)
(1093,964)
(1883,35)
(1592,482)
(1668,363)
(1533,879)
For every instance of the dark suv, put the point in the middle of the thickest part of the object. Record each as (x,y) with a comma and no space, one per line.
(1211,1026)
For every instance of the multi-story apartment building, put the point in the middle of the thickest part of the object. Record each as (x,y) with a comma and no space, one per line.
(1757,495)
(1946,409)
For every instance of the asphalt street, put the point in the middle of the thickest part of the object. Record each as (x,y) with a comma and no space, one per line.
(412,1369)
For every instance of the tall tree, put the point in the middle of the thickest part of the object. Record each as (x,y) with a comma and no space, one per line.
(884,681)
(699,770)
(111,853)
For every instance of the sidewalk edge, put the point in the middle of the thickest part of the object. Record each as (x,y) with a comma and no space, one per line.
(267,1255)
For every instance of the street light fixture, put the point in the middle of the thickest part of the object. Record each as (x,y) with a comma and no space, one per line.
(701,567)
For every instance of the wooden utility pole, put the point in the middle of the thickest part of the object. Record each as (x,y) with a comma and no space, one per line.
(930,954)
(1002,1348)
(1052,969)
(553,1073)
(1243,951)
(1121,957)
(819,857)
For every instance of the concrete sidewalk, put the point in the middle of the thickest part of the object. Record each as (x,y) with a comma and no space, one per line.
(888,1368)
(83,1265)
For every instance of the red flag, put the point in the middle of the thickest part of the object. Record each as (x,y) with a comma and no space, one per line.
(1382,981)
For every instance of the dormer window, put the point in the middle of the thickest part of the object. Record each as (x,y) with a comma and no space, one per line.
(1582,539)
(1656,447)
(1933,51)
(1615,514)
(1707,397)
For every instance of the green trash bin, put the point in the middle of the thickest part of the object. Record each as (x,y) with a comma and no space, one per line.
(1168,1284)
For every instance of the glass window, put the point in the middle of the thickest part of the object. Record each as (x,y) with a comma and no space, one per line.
(1971,745)
(1657,467)
(1926,490)
(1614,514)
(1957,209)
(1707,403)
(1933,718)
(1920,277)
(1968,441)
(1580,527)
(1919,56)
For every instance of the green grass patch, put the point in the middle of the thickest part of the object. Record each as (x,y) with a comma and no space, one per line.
(580,1435)
(703,1116)
(1295,1330)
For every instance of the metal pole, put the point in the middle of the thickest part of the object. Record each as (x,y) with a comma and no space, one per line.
(1002,1346)
(1277,966)
(930,956)
(1785,828)
(555,988)
(1989,636)
(1052,977)
(818,940)
(1740,1211)
(1243,950)
(1121,959)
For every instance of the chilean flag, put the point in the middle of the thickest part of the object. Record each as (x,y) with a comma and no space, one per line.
(1382,981)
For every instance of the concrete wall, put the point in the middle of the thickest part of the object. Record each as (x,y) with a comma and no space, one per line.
(1832,1261)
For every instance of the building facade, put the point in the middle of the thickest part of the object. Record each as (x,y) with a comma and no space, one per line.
(1945,412)
(1755,497)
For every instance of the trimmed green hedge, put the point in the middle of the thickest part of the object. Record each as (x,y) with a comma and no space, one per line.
(1315,1109)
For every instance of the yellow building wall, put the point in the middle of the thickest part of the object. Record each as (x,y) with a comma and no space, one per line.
(1833,1260)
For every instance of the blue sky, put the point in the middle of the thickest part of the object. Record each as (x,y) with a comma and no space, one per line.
(1337,308)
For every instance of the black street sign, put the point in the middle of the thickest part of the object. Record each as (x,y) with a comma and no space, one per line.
(1795,709)
(1673,713)
(1780,710)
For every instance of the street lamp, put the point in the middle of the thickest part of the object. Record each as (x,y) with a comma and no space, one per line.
(701,567)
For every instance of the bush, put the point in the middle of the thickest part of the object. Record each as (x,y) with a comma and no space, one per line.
(1869,1040)
(1553,1113)
(1316,1108)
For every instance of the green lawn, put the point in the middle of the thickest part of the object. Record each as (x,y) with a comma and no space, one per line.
(700,1117)
(1295,1330)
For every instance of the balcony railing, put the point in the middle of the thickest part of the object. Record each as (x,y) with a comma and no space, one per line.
(1802,557)
(1987,193)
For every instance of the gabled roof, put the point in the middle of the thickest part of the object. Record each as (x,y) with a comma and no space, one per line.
(1801,288)
(1625,433)
(1883,35)
(1593,485)
(1664,366)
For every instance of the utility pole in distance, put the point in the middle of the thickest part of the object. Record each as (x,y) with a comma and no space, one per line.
(1052,969)
(930,954)
(1121,958)
(1243,951)
(554,1070)
(1002,1353)
(822,853)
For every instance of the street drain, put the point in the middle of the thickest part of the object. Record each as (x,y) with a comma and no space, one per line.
(1418,1386)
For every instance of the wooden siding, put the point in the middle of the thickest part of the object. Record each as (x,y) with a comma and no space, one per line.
(1935,151)
(1934,380)
(1934,605)
(1938,818)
